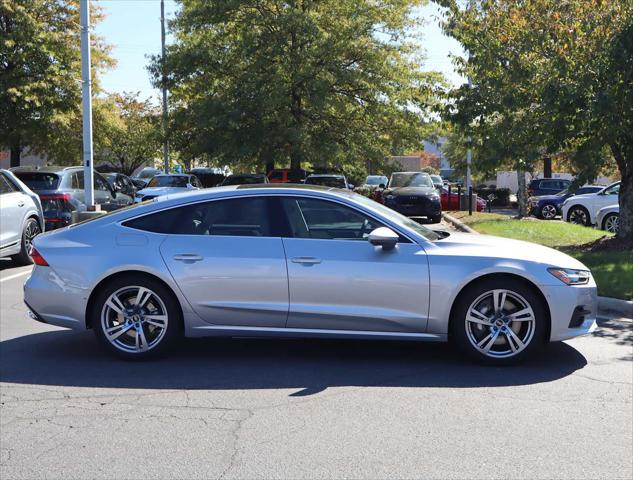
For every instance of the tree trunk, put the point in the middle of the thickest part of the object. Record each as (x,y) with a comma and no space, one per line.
(522,193)
(16,152)
(625,165)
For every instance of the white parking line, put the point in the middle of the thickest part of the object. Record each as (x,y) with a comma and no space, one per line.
(15,275)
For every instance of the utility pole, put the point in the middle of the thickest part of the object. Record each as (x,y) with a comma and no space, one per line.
(86,92)
(164,78)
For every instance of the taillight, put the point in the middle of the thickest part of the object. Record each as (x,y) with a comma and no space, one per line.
(37,258)
(56,201)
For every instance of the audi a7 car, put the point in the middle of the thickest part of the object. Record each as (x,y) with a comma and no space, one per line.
(275,260)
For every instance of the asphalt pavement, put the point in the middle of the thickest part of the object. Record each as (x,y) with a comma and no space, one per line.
(238,408)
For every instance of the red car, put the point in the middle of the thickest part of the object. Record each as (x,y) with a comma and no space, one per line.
(453,203)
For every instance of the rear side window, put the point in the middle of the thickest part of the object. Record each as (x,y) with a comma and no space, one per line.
(244,217)
(39,180)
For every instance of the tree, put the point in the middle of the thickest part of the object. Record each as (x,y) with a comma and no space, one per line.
(553,77)
(260,82)
(130,134)
(40,70)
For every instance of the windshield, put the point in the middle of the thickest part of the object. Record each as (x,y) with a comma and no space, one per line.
(436,179)
(169,181)
(336,182)
(376,180)
(148,173)
(397,218)
(39,180)
(410,180)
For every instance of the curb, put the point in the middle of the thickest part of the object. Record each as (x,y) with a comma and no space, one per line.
(606,305)
(458,224)
(615,305)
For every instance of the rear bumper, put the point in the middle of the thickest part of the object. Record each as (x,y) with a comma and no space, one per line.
(45,293)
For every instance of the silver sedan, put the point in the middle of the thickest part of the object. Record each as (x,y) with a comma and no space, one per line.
(305,262)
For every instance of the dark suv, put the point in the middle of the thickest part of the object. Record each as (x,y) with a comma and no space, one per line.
(547,186)
(61,191)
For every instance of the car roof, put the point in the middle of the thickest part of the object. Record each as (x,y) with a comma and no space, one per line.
(411,173)
(325,175)
(48,169)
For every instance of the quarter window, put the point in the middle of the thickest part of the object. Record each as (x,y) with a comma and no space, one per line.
(321,219)
(244,217)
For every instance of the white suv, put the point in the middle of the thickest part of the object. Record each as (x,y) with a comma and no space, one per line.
(582,209)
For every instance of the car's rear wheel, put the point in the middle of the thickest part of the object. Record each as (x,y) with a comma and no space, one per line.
(31,230)
(499,321)
(578,215)
(548,212)
(611,223)
(136,317)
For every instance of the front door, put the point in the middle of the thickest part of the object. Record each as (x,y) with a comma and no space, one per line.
(339,281)
(227,263)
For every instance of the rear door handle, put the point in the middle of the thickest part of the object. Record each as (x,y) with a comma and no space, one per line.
(187,257)
(306,260)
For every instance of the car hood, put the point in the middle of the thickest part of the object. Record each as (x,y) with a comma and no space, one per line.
(162,190)
(411,191)
(474,245)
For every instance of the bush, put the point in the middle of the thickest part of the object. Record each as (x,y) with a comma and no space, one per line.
(502,195)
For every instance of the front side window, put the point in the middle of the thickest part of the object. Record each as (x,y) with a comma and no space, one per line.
(244,217)
(612,190)
(100,184)
(322,219)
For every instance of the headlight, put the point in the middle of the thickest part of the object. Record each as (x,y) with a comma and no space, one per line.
(389,197)
(570,276)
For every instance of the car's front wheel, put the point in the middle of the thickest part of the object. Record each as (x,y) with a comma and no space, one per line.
(548,212)
(136,317)
(611,223)
(435,218)
(499,321)
(578,215)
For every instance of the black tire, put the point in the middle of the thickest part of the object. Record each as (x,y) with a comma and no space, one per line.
(435,218)
(464,333)
(578,215)
(103,316)
(29,232)
(547,212)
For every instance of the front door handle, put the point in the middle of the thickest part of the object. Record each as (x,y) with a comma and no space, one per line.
(306,260)
(187,257)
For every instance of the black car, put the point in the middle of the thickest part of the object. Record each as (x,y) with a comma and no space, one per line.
(414,195)
(61,191)
(209,177)
(121,183)
(547,186)
(329,180)
(245,179)
(142,178)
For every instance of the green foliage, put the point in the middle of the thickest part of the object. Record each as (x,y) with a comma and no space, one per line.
(40,71)
(430,170)
(328,83)
(548,77)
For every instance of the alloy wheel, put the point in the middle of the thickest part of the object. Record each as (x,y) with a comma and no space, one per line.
(578,216)
(500,323)
(134,319)
(548,212)
(612,223)
(31,231)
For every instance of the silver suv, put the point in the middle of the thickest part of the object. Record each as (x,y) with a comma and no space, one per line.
(21,218)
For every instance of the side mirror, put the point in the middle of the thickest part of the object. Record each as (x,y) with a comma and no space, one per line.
(382,185)
(350,186)
(384,237)
(189,186)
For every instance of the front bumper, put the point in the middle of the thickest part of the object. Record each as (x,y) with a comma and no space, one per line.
(565,302)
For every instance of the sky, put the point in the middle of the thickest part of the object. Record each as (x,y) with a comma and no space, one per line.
(132,28)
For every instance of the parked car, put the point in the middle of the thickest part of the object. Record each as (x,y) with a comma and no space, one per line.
(451,202)
(304,262)
(582,209)
(209,177)
(414,195)
(145,175)
(329,180)
(377,181)
(285,175)
(21,218)
(121,183)
(437,181)
(547,186)
(165,184)
(245,179)
(608,218)
(548,207)
(61,191)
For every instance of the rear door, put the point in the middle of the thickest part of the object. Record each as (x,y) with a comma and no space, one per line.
(227,262)
(339,281)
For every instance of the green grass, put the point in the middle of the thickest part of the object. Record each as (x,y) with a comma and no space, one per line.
(613,271)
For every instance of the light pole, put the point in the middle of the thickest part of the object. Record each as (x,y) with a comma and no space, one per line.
(165,118)
(86,92)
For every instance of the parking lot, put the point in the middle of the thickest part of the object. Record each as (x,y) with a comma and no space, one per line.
(237,408)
